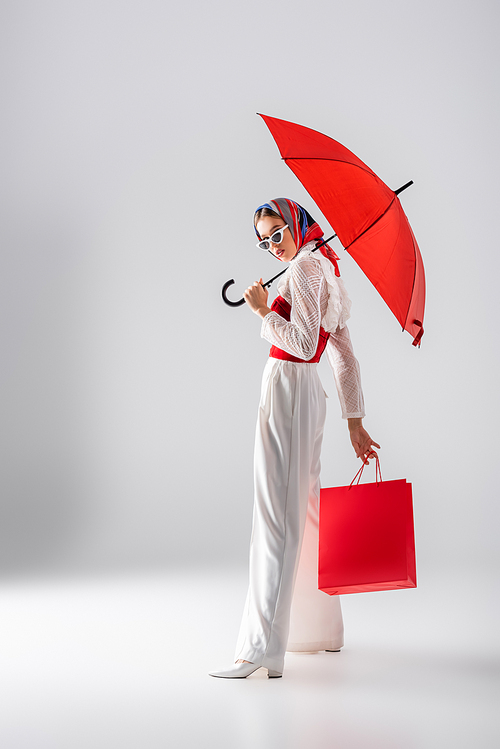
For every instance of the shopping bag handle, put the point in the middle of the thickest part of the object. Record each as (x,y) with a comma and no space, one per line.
(378,472)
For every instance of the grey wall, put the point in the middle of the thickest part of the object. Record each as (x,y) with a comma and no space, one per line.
(132,161)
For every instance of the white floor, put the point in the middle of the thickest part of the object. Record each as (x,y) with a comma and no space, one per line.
(122,662)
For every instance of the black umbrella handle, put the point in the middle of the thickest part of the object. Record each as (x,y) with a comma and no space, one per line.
(242,301)
(267,283)
(228,301)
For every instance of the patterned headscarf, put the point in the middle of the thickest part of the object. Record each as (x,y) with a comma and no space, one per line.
(302,225)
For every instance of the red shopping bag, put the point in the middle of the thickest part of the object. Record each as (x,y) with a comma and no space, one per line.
(366,538)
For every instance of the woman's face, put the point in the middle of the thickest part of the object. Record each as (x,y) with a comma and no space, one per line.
(285,250)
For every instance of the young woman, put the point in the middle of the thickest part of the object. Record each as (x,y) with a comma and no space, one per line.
(308,317)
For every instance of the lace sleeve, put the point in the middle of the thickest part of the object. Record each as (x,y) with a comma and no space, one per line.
(299,337)
(346,374)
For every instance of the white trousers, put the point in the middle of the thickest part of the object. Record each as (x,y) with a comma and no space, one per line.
(287,466)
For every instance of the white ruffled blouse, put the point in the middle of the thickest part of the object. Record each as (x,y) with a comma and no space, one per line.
(318,298)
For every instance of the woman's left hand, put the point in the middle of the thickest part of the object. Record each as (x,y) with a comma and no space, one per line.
(256,298)
(361,441)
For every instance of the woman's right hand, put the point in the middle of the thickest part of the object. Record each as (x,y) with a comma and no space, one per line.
(256,298)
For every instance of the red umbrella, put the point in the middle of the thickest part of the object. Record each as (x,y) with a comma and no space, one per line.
(366,215)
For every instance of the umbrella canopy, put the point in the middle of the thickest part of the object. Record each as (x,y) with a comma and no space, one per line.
(366,215)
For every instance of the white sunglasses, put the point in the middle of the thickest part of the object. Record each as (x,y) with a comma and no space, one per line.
(275,238)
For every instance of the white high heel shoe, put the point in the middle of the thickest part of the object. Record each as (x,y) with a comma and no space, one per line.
(242,670)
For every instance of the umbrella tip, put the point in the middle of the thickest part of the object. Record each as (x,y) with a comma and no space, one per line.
(400,189)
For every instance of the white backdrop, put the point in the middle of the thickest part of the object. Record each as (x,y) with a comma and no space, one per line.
(132,162)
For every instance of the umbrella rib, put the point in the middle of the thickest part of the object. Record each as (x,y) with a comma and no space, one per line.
(413,284)
(373,224)
(340,161)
